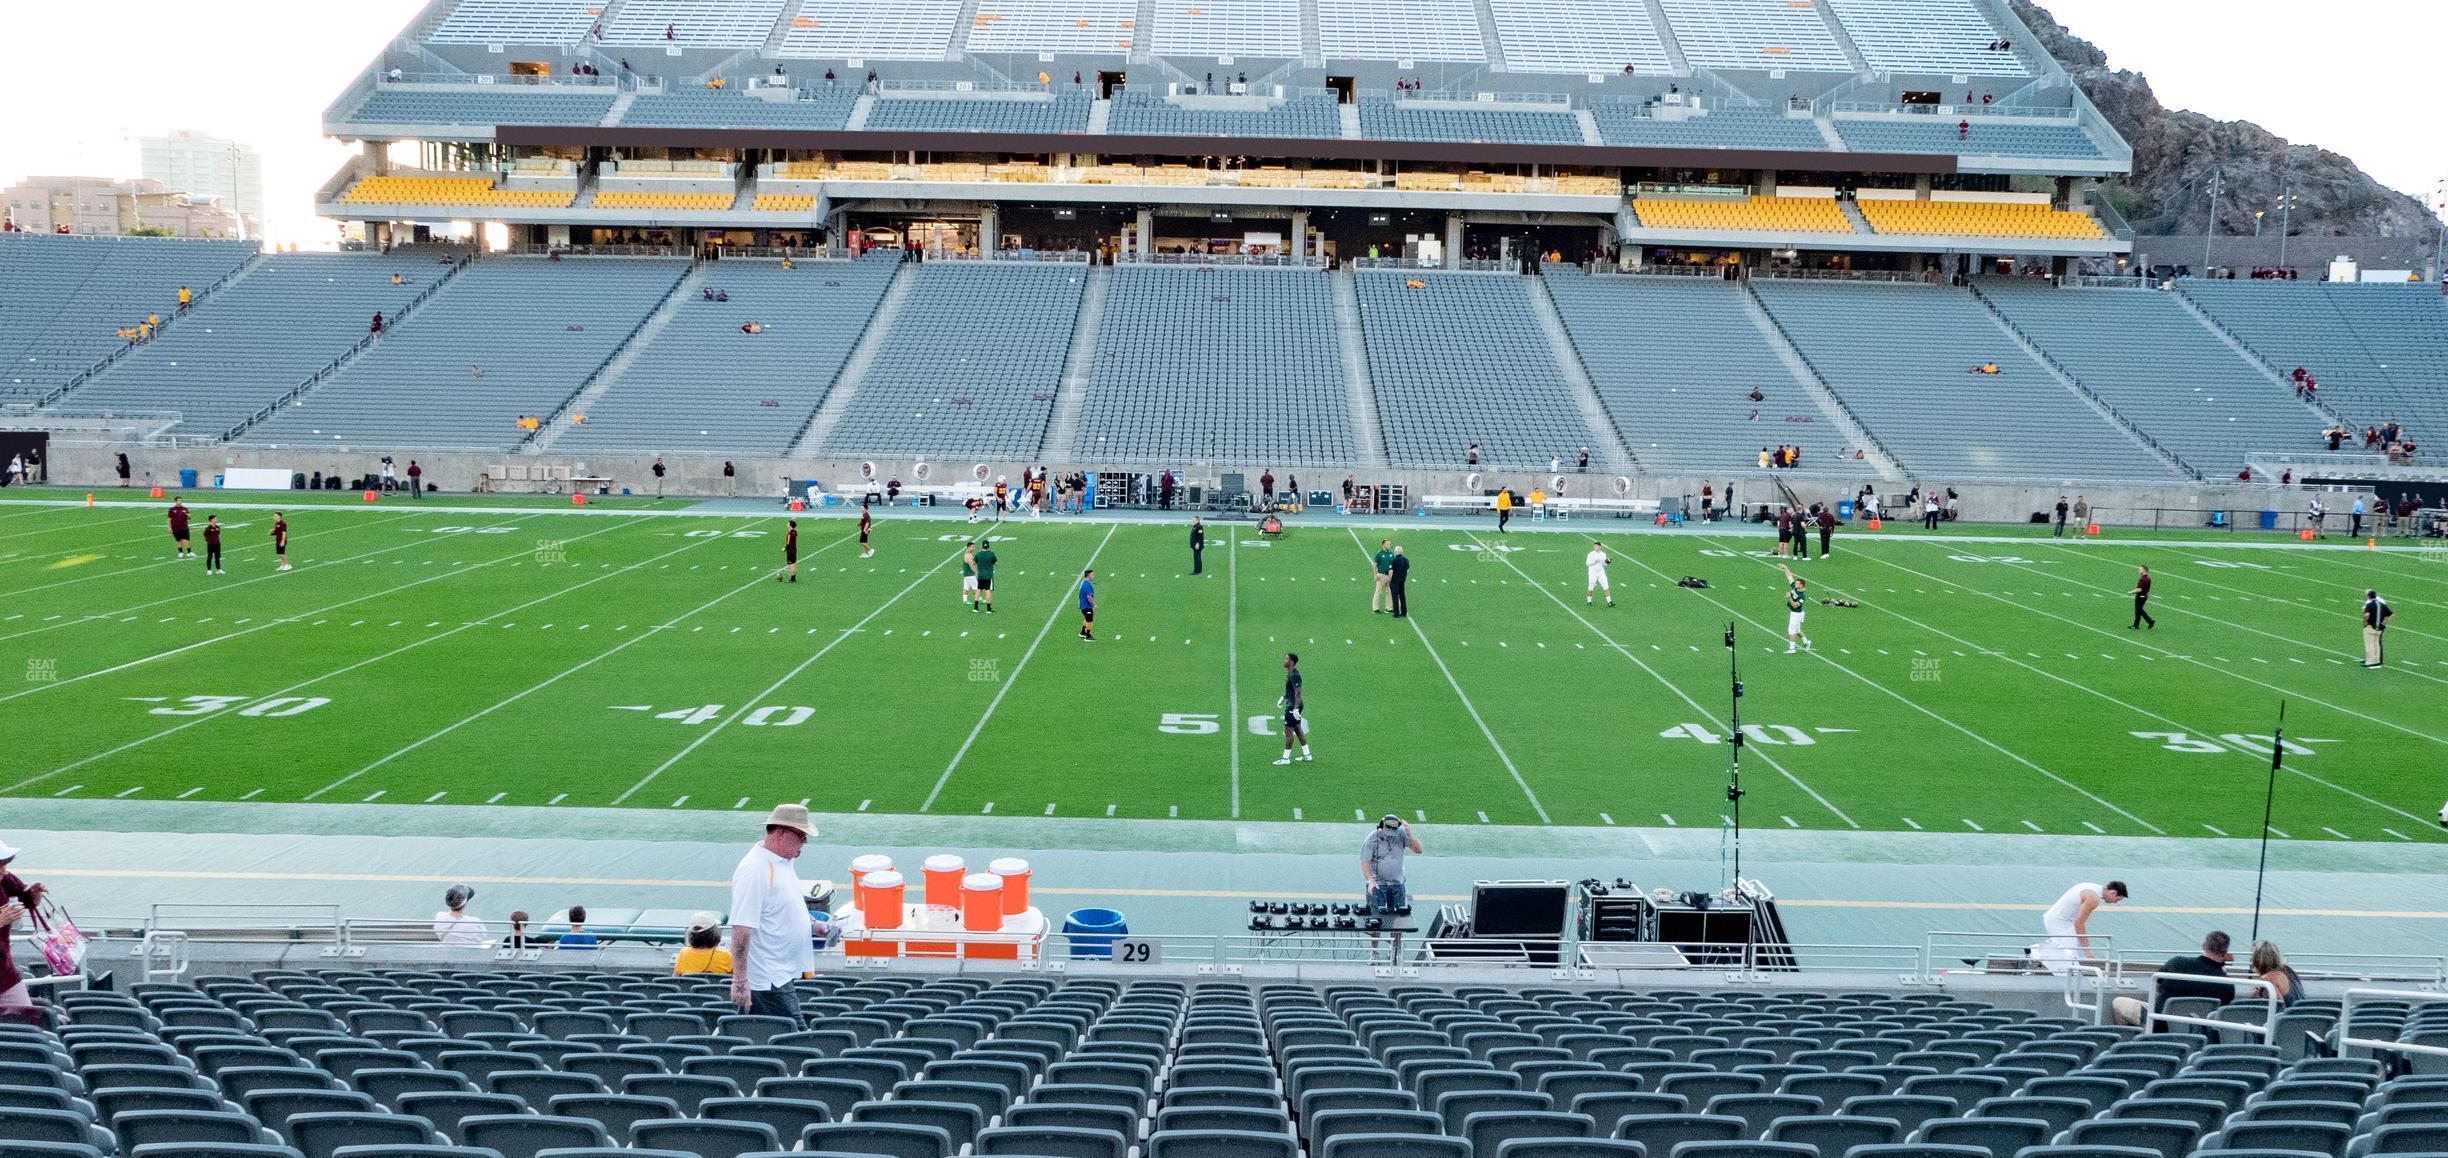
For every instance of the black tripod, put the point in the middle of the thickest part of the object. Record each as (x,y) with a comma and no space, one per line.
(1734,742)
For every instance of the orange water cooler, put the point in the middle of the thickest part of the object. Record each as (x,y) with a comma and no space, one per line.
(981,908)
(1015,874)
(880,907)
(943,873)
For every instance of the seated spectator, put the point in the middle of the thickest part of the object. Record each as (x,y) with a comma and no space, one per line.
(704,953)
(752,328)
(578,937)
(518,925)
(2244,475)
(2268,966)
(706,292)
(1756,395)
(453,926)
(722,295)
(2211,962)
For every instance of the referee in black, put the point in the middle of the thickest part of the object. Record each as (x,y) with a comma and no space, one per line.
(1396,576)
(1198,547)
(2141,594)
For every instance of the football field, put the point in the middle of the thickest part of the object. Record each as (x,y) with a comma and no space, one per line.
(647,658)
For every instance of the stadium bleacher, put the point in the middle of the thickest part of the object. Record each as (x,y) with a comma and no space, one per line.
(1674,361)
(1635,123)
(1779,214)
(704,386)
(2063,140)
(1754,34)
(1914,391)
(516,22)
(63,300)
(970,365)
(2121,343)
(1034,26)
(535,329)
(1153,115)
(1578,36)
(2376,350)
(1217,364)
(1260,29)
(242,348)
(1520,124)
(480,108)
(1929,36)
(1460,358)
(650,200)
(935,1066)
(821,107)
(473,192)
(1399,30)
(1064,111)
(1977,219)
(893,30)
(694,23)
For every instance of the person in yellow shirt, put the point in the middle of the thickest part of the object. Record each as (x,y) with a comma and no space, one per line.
(1504,508)
(704,953)
(1538,501)
(186,298)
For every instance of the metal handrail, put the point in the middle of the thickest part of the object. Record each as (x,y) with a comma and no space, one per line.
(1826,385)
(2097,1007)
(571,399)
(333,366)
(2075,380)
(130,347)
(2341,1041)
(2268,991)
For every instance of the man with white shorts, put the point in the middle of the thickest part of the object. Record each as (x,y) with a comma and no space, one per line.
(969,590)
(2068,923)
(1598,561)
(1795,601)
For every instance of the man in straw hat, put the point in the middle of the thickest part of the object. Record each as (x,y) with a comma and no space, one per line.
(770,931)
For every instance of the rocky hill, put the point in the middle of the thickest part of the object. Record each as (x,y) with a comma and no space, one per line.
(2177,150)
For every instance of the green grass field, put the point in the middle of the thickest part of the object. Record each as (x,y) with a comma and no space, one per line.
(450,657)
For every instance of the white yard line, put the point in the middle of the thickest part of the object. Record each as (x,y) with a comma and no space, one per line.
(1670,685)
(1467,705)
(2085,688)
(793,674)
(204,590)
(158,514)
(2196,581)
(582,665)
(341,671)
(271,623)
(1233,723)
(1004,688)
(1915,705)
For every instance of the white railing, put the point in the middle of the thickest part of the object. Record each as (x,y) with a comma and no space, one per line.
(2268,992)
(2342,1039)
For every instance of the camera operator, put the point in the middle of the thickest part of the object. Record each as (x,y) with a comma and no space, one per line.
(1381,862)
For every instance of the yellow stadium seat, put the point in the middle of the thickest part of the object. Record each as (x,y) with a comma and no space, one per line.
(629,199)
(1769,214)
(475,192)
(784,203)
(1979,219)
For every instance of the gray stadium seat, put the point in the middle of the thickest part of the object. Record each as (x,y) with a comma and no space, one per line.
(1221,1144)
(1052,1142)
(705,1137)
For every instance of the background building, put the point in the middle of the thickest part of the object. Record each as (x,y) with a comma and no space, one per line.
(102,206)
(202,163)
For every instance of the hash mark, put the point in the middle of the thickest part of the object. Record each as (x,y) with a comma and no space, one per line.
(1974,827)
(2095,828)
(679,802)
(1606,818)
(2335,833)
(131,792)
(1916,825)
(989,806)
(556,800)
(436,796)
(252,793)
(1789,822)
(496,798)
(2033,827)
(378,793)
(863,805)
(1670,821)
(67,790)
(2216,829)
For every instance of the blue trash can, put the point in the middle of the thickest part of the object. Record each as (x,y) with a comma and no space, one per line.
(187,478)
(1092,932)
(1844,510)
(2269,520)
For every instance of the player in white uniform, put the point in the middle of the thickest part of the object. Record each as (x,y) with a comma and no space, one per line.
(2068,923)
(1795,601)
(1598,561)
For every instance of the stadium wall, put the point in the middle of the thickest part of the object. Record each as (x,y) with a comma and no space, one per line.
(455,472)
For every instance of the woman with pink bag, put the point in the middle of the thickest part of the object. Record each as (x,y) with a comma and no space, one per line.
(17,900)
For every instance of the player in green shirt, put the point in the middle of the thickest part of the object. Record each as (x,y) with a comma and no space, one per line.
(1384,561)
(985,559)
(1794,602)
(969,586)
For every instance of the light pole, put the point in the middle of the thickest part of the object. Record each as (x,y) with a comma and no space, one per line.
(2212,228)
(2286,203)
(2258,214)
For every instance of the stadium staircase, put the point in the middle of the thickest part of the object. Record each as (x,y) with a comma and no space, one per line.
(1313,52)
(2066,378)
(1887,465)
(610,372)
(862,358)
(203,296)
(2254,359)
(1844,39)
(620,107)
(1062,428)
(1356,369)
(344,361)
(1100,114)
(959,48)
(1488,37)
(1576,376)
(1666,37)
(1351,122)
(859,112)
(1589,127)
(1853,213)
(1827,132)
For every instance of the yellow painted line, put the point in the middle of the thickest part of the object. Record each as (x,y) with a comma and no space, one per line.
(70,561)
(1200,894)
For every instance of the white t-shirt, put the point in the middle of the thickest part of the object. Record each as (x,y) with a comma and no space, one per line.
(2060,916)
(459,930)
(1597,558)
(767,898)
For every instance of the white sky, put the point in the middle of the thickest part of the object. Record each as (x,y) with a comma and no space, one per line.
(81,80)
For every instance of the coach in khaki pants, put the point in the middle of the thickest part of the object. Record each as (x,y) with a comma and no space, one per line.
(2376,616)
